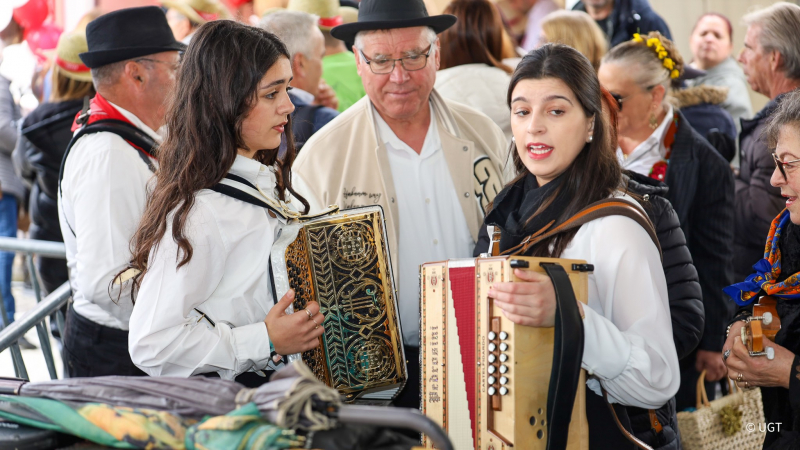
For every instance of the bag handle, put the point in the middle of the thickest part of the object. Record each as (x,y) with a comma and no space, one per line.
(702,394)
(597,210)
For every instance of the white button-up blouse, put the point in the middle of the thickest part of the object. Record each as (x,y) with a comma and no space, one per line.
(227,279)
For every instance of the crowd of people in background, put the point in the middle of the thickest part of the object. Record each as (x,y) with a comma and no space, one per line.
(430,117)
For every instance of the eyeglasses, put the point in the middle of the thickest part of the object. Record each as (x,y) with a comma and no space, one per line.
(173,66)
(620,99)
(781,166)
(409,63)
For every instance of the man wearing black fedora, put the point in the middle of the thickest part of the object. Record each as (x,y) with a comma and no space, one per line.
(133,58)
(432,164)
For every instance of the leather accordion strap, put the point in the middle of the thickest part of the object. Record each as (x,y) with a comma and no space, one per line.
(636,441)
(602,208)
(567,357)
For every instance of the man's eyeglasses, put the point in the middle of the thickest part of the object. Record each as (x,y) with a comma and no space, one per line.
(409,63)
(781,166)
(172,65)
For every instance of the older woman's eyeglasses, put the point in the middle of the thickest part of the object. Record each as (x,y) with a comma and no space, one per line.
(619,99)
(386,65)
(781,166)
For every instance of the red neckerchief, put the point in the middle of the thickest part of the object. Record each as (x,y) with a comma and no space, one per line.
(659,169)
(101,109)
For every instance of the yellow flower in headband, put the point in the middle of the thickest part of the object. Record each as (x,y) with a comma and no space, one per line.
(653,42)
(637,38)
(669,63)
(660,48)
(674,74)
(662,55)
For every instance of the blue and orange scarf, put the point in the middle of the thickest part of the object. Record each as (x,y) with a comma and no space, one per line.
(767,271)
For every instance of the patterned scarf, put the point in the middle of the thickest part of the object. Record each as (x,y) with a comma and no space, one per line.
(768,270)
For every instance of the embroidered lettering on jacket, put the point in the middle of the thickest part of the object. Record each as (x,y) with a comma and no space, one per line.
(354,198)
(488,182)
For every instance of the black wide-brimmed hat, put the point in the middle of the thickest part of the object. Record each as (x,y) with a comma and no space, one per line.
(388,14)
(128,33)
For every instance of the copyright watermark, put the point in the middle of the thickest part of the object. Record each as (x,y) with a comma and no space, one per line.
(772,427)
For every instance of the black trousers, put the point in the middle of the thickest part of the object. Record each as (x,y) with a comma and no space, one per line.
(409,396)
(94,350)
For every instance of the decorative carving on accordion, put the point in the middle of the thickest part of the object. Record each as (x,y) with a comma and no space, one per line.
(343,266)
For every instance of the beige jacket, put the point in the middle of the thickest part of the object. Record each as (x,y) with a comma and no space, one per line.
(345,164)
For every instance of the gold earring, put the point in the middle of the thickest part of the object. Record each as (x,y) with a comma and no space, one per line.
(653,122)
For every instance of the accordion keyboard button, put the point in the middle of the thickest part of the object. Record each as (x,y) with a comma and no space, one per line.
(503,357)
(492,347)
(503,390)
(491,335)
(491,358)
(503,380)
(503,335)
(491,391)
(492,369)
(503,347)
(503,368)
(491,379)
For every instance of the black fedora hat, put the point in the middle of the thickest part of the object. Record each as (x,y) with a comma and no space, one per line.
(388,14)
(128,33)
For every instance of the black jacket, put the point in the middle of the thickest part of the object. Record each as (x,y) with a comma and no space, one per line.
(701,191)
(757,201)
(44,136)
(685,300)
(629,17)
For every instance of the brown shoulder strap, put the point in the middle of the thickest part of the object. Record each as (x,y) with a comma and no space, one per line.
(602,208)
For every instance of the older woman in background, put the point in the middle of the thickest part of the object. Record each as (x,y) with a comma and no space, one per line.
(578,30)
(656,140)
(712,44)
(471,70)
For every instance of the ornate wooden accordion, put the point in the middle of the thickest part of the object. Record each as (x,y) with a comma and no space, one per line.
(491,384)
(341,260)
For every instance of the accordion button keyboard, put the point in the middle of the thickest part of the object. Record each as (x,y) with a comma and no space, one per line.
(503,368)
(491,335)
(503,357)
(491,390)
(503,335)
(503,347)
(491,358)
(503,380)
(503,390)
(492,369)
(491,380)
(492,347)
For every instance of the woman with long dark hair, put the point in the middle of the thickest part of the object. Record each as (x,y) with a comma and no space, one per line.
(564,159)
(204,302)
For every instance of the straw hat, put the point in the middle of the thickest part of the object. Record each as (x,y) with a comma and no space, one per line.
(67,59)
(199,11)
(329,11)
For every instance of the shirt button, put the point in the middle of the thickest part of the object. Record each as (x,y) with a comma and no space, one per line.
(427,200)
(435,242)
(465,148)
(466,194)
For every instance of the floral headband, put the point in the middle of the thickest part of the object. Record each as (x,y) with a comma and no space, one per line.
(661,52)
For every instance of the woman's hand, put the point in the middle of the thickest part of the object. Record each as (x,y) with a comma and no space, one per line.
(297,332)
(756,370)
(712,363)
(530,302)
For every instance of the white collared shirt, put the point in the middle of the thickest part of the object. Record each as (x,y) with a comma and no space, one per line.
(227,279)
(103,196)
(649,152)
(432,226)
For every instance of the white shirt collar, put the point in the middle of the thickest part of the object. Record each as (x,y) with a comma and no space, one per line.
(394,143)
(654,142)
(138,123)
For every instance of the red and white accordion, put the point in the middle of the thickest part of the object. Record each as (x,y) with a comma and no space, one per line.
(484,379)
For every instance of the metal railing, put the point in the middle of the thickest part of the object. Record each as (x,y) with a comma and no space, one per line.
(52,304)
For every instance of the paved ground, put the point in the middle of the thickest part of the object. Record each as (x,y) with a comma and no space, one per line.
(34,359)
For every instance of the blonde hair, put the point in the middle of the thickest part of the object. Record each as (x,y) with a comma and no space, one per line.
(66,88)
(578,30)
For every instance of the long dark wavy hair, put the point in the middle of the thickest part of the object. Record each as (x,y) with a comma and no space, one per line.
(216,89)
(595,173)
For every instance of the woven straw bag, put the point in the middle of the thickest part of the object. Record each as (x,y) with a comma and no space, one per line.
(703,429)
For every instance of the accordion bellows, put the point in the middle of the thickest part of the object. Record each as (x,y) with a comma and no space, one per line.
(341,260)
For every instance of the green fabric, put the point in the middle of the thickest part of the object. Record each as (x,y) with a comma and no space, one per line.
(339,71)
(243,428)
